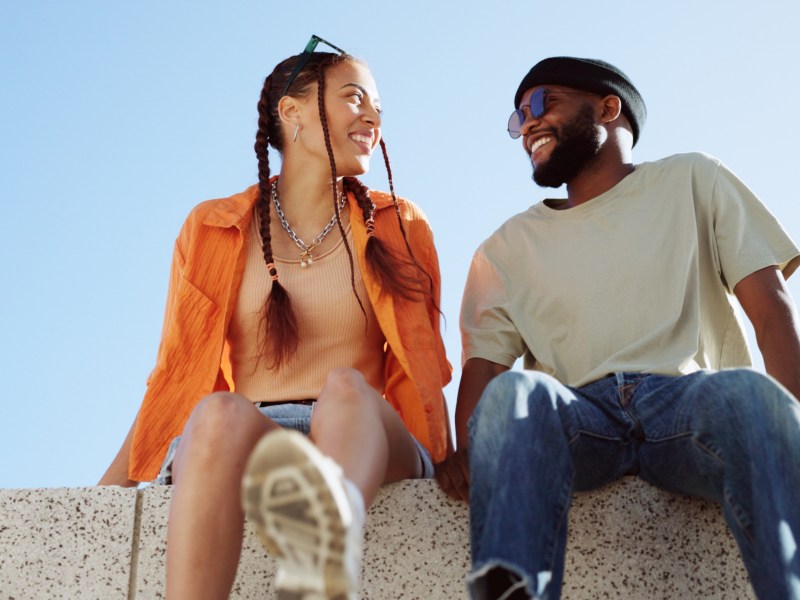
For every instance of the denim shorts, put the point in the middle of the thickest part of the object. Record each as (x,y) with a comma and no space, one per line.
(289,416)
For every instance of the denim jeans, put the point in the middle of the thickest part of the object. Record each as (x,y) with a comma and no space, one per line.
(732,436)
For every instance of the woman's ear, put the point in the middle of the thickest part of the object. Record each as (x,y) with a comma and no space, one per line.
(289,111)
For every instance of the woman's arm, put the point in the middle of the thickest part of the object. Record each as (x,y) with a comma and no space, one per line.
(117,473)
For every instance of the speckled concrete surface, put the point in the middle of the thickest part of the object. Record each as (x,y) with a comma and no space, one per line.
(66,543)
(627,540)
(631,540)
(416,546)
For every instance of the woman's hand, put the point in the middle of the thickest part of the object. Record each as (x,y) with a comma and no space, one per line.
(124,482)
(117,472)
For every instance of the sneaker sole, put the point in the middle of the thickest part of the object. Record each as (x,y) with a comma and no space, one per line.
(290,495)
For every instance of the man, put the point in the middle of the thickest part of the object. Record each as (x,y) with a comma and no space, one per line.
(620,298)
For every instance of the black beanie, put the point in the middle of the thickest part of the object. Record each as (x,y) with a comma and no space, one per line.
(589,75)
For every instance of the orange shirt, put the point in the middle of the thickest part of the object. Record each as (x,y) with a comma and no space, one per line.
(207,267)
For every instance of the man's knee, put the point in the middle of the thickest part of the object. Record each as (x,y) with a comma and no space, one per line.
(746,399)
(743,387)
(516,395)
(527,389)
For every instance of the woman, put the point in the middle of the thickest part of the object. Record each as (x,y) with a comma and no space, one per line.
(272,322)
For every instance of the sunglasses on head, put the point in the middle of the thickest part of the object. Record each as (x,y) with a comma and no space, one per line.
(537,105)
(304,58)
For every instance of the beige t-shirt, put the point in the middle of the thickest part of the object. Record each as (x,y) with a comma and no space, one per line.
(333,330)
(639,278)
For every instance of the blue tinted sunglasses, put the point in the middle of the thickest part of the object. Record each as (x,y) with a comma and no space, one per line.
(537,104)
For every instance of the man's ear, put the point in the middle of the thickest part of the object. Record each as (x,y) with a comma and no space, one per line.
(611,108)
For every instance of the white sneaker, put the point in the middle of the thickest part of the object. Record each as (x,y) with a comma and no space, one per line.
(305,517)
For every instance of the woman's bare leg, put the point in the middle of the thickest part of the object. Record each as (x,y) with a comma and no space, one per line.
(204,538)
(356,427)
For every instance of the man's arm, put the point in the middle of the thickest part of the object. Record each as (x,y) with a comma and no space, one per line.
(768,304)
(453,473)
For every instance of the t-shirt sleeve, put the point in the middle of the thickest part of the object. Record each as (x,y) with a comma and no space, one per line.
(487,330)
(748,237)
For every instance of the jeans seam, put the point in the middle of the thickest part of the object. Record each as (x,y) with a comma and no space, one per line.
(595,435)
(733,509)
(670,438)
(565,501)
(708,451)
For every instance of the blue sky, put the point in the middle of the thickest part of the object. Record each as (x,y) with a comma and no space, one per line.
(116,118)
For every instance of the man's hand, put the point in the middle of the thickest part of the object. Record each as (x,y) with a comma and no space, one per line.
(452,474)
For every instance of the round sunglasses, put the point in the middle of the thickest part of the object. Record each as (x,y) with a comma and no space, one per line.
(537,104)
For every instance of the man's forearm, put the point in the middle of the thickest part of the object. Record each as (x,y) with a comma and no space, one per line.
(475,376)
(768,303)
(780,347)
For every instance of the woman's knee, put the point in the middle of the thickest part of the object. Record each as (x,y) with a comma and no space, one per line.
(344,381)
(345,391)
(345,386)
(220,433)
(217,416)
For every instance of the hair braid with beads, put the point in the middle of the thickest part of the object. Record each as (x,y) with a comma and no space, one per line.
(397,275)
(279,324)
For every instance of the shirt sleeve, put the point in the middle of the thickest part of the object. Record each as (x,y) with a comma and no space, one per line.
(487,328)
(748,237)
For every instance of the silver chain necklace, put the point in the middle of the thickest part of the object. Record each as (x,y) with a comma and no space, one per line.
(306,258)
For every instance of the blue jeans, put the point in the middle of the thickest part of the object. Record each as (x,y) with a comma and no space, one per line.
(732,436)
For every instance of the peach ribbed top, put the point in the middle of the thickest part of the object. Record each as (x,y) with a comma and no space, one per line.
(333,331)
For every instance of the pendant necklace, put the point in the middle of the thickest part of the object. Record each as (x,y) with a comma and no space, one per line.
(306,259)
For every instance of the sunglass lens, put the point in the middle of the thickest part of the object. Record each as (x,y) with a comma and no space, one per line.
(537,102)
(515,122)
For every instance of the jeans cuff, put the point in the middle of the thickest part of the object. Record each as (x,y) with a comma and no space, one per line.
(481,587)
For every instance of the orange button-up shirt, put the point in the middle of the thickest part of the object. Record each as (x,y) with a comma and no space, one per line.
(207,267)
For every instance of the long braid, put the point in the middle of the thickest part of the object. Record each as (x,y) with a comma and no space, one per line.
(398,275)
(323,117)
(279,324)
(394,196)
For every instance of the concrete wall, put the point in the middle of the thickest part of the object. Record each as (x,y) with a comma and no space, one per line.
(627,540)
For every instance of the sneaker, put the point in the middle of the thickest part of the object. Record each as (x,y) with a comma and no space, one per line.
(306,517)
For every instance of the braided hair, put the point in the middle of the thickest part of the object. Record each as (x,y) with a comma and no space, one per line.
(398,275)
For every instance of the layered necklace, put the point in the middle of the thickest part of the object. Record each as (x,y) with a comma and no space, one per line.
(306,259)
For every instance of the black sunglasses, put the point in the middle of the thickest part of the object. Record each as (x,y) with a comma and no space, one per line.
(303,61)
(537,104)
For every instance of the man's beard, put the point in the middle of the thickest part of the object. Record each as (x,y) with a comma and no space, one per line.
(577,145)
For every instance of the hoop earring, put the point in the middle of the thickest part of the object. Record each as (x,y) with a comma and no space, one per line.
(296,129)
